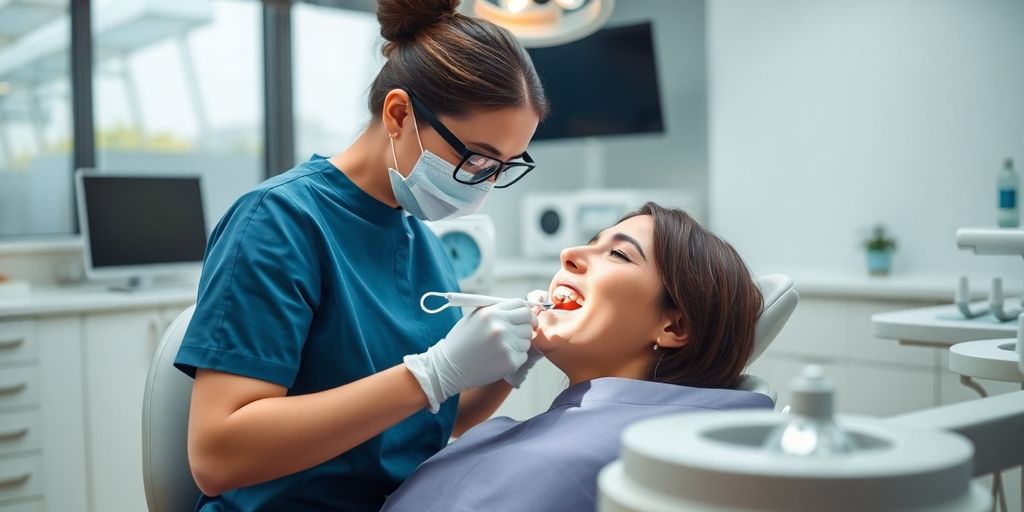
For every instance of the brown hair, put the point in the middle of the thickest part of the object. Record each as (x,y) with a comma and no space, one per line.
(454,63)
(709,284)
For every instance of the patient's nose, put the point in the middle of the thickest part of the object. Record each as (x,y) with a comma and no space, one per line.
(573,260)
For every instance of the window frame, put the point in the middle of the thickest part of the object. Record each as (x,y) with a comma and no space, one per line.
(278,95)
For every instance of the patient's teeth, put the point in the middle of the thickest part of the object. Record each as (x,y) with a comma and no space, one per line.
(566,295)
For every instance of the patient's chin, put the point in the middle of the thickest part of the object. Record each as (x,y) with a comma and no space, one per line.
(552,330)
(544,342)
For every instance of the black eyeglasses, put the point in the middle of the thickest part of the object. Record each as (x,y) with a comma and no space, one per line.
(475,167)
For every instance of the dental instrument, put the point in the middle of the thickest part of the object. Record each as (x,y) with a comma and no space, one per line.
(456,299)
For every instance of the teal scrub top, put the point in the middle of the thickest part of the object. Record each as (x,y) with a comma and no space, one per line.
(310,283)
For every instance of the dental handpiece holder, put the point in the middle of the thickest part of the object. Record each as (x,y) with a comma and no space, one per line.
(989,241)
(997,305)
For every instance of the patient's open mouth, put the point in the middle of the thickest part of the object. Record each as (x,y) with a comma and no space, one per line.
(566,298)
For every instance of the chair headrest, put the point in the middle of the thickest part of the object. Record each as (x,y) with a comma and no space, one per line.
(780,300)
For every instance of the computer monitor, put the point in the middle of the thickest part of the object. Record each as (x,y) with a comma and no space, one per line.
(138,226)
(603,84)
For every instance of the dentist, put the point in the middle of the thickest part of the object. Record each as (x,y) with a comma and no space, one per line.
(319,382)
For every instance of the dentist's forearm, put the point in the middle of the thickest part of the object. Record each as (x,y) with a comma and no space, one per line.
(271,437)
(478,404)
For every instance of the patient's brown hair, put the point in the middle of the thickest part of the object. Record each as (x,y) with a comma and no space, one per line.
(709,284)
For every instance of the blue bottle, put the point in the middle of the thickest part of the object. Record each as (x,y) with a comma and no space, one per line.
(1007,183)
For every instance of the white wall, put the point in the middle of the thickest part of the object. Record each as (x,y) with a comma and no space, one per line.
(675,158)
(827,116)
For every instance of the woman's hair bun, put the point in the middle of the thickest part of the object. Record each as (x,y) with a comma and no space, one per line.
(401,20)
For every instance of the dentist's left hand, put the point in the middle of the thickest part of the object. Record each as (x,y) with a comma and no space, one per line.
(517,377)
(483,347)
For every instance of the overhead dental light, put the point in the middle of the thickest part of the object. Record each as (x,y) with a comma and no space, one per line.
(538,23)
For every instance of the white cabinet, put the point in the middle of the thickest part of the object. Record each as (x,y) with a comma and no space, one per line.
(873,376)
(42,452)
(118,348)
(73,365)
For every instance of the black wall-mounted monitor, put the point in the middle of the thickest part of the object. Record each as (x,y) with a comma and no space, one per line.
(603,84)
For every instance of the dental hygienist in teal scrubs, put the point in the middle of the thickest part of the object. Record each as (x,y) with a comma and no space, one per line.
(319,382)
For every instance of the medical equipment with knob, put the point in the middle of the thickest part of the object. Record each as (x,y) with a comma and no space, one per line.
(981,346)
(923,461)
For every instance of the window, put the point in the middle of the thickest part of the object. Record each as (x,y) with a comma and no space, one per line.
(178,90)
(336,55)
(35,118)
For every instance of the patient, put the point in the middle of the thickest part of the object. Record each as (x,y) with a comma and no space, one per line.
(655,316)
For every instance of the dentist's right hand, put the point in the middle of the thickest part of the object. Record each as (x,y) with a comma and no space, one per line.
(482,348)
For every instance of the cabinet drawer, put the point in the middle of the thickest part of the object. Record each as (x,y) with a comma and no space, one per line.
(32,506)
(18,387)
(20,431)
(21,478)
(18,341)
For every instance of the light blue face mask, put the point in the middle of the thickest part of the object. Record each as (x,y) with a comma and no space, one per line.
(430,192)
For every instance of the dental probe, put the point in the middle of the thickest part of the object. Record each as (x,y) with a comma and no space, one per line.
(456,299)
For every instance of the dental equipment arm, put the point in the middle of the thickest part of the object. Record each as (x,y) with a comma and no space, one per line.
(1020,348)
(994,425)
(991,241)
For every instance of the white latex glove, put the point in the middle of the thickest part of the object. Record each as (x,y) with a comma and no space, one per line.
(481,348)
(517,377)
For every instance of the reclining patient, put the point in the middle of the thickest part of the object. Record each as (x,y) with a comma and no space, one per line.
(655,316)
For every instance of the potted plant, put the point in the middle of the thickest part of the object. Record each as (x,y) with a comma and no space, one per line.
(880,247)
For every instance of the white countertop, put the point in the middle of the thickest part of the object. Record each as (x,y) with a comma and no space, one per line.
(918,287)
(921,287)
(927,287)
(93,298)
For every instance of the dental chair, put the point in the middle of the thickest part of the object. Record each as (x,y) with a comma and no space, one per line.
(165,470)
(780,299)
